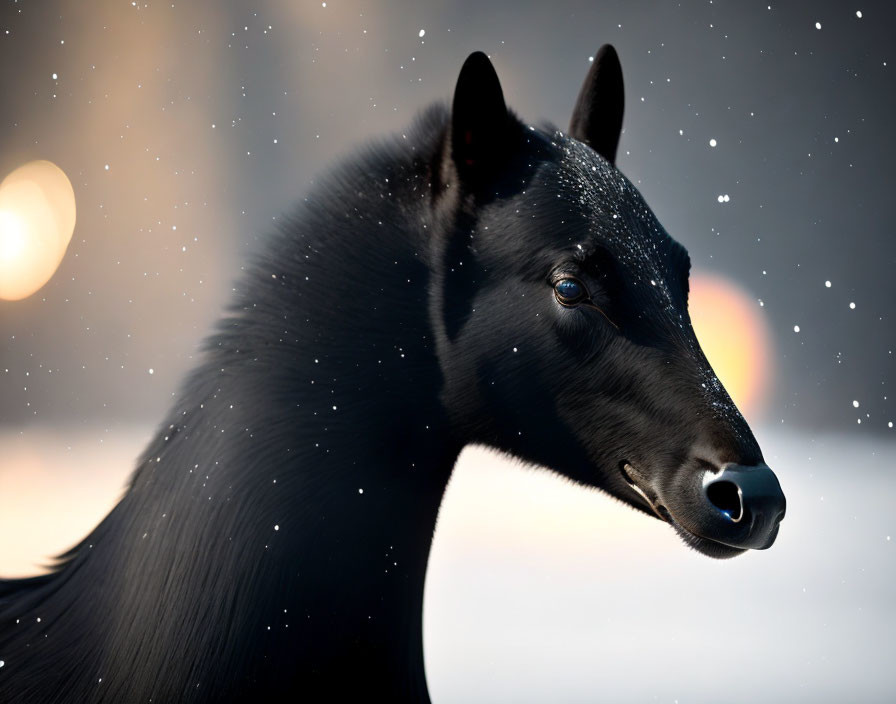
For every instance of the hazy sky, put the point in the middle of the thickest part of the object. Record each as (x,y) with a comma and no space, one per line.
(213,118)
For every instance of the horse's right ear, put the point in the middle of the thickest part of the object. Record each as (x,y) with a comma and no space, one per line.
(480,123)
(597,116)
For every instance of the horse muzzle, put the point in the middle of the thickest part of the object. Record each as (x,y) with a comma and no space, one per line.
(720,511)
(742,506)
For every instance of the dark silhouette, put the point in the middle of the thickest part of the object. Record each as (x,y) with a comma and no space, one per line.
(475,281)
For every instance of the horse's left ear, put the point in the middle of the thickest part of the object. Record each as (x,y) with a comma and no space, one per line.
(597,116)
(480,122)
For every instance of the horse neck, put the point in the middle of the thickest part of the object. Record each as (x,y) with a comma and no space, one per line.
(373,559)
(354,382)
(302,471)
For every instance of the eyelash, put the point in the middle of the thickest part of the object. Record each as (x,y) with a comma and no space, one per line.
(585,300)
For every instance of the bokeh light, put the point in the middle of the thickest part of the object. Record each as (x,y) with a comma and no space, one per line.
(37,218)
(735,338)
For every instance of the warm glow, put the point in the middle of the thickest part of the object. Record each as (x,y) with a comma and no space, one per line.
(37,218)
(735,338)
(12,236)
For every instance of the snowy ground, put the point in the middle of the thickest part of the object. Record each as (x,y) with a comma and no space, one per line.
(539,591)
(542,591)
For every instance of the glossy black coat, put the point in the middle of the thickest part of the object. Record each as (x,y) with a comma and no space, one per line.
(272,545)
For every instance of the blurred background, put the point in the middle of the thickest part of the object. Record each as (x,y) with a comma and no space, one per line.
(760,134)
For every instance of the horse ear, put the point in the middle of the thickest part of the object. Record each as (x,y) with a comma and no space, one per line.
(479,120)
(597,116)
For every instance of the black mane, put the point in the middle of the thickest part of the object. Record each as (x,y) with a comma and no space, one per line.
(325,322)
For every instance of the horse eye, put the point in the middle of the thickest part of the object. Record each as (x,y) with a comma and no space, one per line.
(569,292)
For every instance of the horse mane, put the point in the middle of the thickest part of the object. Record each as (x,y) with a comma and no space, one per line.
(351,227)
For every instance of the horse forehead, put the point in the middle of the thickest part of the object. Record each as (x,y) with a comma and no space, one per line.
(612,215)
(619,219)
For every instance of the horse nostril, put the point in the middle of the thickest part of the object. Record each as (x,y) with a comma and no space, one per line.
(742,506)
(726,497)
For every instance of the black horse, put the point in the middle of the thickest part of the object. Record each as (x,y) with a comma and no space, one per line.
(476,280)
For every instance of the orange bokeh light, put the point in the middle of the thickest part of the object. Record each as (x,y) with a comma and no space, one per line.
(735,338)
(37,218)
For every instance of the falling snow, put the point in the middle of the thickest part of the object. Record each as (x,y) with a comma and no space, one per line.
(130,295)
(256,127)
